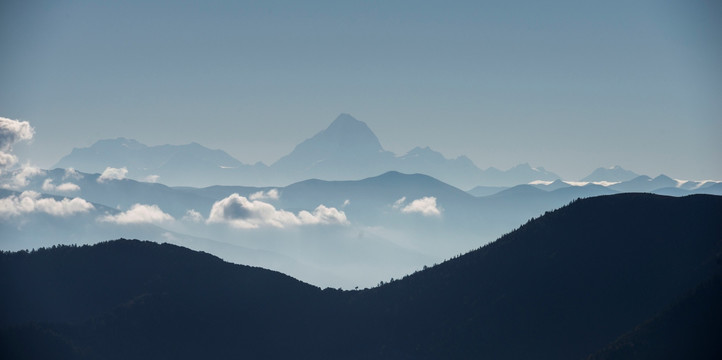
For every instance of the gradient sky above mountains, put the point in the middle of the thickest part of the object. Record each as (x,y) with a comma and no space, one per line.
(567,85)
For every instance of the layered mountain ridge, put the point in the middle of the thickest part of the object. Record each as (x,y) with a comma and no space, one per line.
(346,150)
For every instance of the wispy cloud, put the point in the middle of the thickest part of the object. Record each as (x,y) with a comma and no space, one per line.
(111,173)
(71,173)
(192,216)
(139,214)
(240,212)
(399,203)
(151,178)
(31,202)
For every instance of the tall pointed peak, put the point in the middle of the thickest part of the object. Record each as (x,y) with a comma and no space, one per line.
(346,122)
(345,118)
(347,131)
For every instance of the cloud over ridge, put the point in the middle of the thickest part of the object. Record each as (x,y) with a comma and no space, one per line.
(111,173)
(67,187)
(425,206)
(240,212)
(31,202)
(138,214)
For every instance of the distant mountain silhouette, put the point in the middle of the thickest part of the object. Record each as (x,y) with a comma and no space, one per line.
(191,164)
(612,174)
(645,184)
(346,150)
(349,150)
(481,191)
(561,286)
(520,174)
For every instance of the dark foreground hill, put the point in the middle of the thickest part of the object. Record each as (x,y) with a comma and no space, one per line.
(562,286)
(689,329)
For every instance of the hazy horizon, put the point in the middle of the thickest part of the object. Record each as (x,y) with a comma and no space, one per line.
(567,86)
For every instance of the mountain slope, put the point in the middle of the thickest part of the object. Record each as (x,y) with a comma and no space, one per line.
(561,286)
(689,329)
(347,148)
(567,283)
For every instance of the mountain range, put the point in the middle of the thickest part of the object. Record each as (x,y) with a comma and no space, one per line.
(380,239)
(346,150)
(662,185)
(628,276)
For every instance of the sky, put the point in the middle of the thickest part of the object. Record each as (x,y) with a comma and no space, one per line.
(567,85)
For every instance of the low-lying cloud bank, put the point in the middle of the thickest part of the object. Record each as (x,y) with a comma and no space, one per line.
(240,212)
(31,202)
(139,214)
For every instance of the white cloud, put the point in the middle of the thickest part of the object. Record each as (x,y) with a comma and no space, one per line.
(139,214)
(269,195)
(346,202)
(151,178)
(48,186)
(11,132)
(240,212)
(425,206)
(323,215)
(193,216)
(112,174)
(606,183)
(71,173)
(30,202)
(67,187)
(22,177)
(7,160)
(541,182)
(398,203)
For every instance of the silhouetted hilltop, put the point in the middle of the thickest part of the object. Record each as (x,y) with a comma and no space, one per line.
(560,287)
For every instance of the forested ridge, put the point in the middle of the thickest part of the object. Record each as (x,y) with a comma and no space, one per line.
(563,286)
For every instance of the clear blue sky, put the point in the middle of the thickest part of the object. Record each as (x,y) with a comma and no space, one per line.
(568,85)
